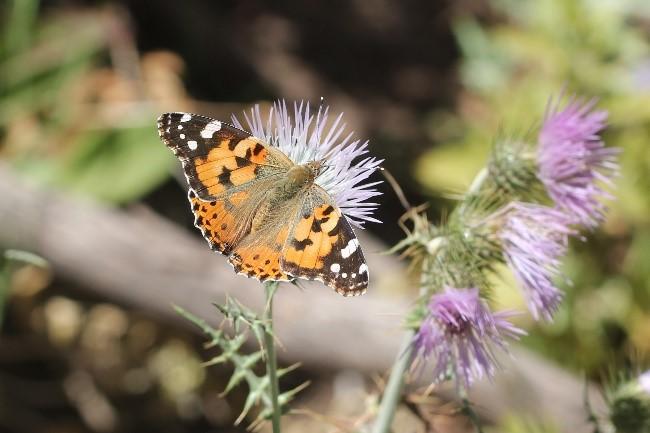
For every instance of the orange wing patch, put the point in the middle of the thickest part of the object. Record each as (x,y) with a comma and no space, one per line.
(231,163)
(323,246)
(261,260)
(216,220)
(217,156)
(313,239)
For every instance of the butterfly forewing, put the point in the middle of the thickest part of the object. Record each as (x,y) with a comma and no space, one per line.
(218,158)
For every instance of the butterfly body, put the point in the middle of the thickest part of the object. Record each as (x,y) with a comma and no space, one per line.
(256,206)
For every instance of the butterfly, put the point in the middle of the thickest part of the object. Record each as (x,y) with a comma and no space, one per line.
(260,209)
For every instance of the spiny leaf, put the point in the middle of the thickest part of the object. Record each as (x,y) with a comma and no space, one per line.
(258,386)
(234,344)
(283,371)
(283,400)
(287,396)
(221,359)
(254,396)
(235,312)
(238,375)
(215,334)
(244,370)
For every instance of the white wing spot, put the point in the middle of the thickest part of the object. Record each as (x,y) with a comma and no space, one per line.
(182,136)
(210,129)
(350,248)
(363,268)
(180,126)
(344,275)
(186,118)
(353,275)
(335,267)
(192,144)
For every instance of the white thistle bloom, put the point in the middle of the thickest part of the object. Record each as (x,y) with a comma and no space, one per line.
(305,138)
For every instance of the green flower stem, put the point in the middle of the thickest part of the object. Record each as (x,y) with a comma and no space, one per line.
(271,361)
(393,391)
(473,416)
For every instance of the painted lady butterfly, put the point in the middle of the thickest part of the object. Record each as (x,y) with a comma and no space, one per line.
(267,214)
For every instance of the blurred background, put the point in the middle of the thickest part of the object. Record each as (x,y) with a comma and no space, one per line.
(85,347)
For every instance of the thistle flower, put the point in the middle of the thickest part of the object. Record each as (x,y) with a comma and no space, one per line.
(574,163)
(459,333)
(534,238)
(307,137)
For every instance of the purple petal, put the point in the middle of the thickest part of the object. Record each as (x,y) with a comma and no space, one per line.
(574,163)
(459,333)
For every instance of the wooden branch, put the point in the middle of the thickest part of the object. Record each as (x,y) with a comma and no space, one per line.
(142,260)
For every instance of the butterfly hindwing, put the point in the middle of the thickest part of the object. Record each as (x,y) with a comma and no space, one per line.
(259,256)
(322,246)
(222,222)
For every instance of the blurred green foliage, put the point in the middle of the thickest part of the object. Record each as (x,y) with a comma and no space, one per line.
(525,53)
(73,111)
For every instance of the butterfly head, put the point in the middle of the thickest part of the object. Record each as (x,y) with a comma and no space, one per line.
(301,176)
(316,167)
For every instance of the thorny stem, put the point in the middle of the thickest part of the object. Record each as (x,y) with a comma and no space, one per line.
(393,391)
(271,361)
(473,417)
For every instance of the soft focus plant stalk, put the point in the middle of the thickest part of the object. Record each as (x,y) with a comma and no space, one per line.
(395,384)
(271,360)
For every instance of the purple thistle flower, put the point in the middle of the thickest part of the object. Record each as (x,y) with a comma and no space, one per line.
(534,239)
(306,138)
(574,163)
(459,333)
